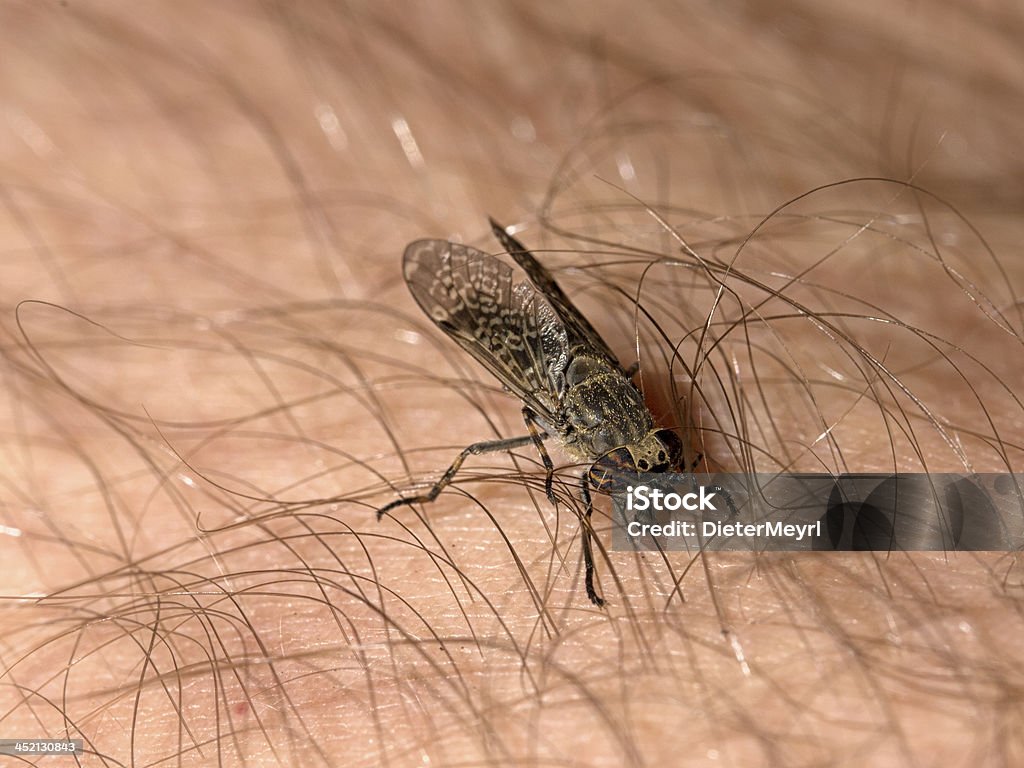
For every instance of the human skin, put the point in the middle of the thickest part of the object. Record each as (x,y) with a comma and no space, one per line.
(215,376)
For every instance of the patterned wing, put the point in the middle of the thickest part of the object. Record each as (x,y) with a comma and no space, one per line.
(507,326)
(581,332)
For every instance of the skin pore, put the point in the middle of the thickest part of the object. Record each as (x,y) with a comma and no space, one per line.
(214,376)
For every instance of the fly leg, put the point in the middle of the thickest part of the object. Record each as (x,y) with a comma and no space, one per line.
(537,435)
(588,554)
(487,446)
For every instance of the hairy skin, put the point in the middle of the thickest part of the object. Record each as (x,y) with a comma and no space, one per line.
(214,375)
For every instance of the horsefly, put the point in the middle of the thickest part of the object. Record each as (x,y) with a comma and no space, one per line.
(532,338)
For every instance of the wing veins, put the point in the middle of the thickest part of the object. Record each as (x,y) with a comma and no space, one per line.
(509,327)
(579,329)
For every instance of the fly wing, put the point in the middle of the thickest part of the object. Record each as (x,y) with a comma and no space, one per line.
(579,329)
(510,328)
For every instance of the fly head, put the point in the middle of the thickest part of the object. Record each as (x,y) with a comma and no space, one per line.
(661,450)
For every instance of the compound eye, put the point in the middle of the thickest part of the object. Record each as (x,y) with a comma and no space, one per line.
(673,448)
(613,471)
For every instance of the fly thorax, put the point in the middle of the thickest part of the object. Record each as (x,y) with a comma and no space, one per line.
(602,409)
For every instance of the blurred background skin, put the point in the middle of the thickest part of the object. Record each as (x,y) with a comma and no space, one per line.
(212,199)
